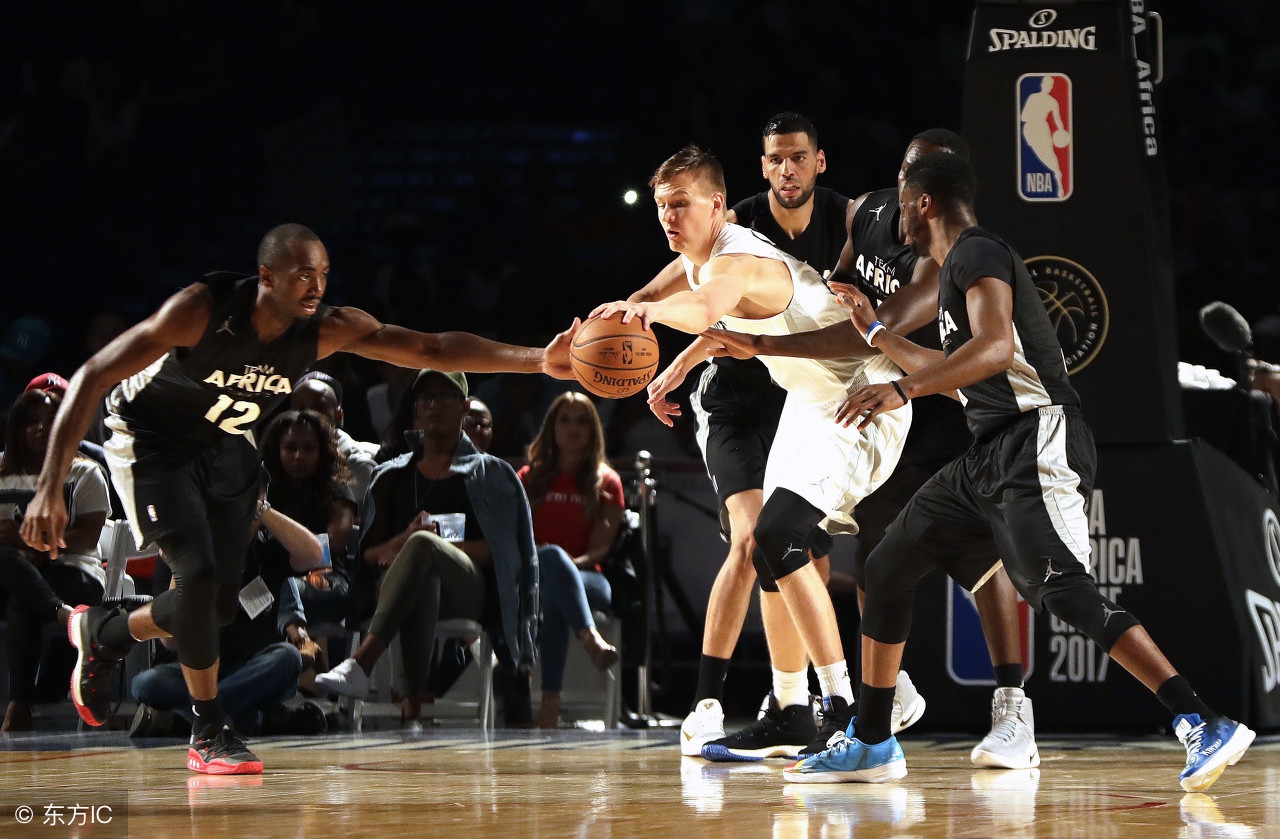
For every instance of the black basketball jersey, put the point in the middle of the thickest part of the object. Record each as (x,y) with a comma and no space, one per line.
(819,245)
(227,382)
(882,264)
(1038,377)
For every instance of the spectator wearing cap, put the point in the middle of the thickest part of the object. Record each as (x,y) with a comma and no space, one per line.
(55,384)
(487,571)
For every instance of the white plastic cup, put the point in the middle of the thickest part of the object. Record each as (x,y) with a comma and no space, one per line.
(452,525)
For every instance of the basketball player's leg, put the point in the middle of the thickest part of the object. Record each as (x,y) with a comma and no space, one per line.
(1046,542)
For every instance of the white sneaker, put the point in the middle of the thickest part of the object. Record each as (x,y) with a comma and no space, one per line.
(1012,741)
(346,679)
(908,704)
(705,724)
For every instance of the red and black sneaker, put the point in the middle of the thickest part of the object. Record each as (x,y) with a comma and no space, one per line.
(91,678)
(221,752)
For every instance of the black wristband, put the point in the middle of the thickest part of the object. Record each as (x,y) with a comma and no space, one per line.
(898,388)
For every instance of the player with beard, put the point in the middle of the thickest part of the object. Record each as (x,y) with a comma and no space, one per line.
(878,260)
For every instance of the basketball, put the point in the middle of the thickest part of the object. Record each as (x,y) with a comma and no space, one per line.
(613,359)
(1061,137)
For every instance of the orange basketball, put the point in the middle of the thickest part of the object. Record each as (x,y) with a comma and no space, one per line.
(612,358)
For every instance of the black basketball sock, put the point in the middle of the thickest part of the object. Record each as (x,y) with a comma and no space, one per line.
(1176,695)
(1008,675)
(114,636)
(874,722)
(712,672)
(209,716)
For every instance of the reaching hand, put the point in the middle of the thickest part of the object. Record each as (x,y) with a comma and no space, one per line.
(45,524)
(667,381)
(629,310)
(555,360)
(868,402)
(861,312)
(732,344)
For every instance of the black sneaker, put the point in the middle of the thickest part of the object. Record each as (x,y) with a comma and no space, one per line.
(91,678)
(220,751)
(834,716)
(779,732)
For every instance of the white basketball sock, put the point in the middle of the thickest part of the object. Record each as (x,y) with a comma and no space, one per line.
(834,679)
(791,688)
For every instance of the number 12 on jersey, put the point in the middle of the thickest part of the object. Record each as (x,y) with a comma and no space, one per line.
(235,422)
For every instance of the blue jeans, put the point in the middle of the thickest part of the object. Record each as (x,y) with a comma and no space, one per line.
(568,596)
(268,679)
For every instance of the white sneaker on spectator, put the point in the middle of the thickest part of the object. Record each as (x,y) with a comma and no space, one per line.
(1012,741)
(347,679)
(704,724)
(908,704)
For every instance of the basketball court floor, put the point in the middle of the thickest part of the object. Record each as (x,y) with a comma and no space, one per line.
(453,782)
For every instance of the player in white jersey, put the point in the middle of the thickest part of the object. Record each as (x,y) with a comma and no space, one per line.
(816,473)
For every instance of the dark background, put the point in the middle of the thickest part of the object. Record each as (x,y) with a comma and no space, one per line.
(465,163)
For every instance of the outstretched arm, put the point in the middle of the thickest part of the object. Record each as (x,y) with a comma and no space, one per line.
(989,304)
(671,378)
(351,330)
(179,322)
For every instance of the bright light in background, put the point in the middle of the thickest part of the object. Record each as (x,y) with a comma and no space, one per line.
(630,197)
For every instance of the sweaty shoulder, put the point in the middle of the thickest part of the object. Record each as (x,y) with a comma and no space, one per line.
(976,255)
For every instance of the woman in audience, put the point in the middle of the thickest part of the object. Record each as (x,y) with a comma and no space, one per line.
(310,483)
(484,572)
(38,586)
(577,504)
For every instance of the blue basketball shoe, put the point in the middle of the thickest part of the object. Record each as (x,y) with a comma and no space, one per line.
(849,759)
(1211,748)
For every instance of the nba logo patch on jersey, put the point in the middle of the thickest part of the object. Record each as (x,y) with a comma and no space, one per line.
(151,512)
(1046,137)
(968,662)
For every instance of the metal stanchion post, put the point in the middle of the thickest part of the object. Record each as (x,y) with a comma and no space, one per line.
(645,489)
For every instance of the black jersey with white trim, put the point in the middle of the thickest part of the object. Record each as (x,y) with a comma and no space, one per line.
(821,241)
(882,263)
(1038,376)
(224,384)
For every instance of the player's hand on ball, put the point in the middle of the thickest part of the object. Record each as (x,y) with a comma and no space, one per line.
(555,359)
(628,311)
(857,304)
(732,344)
(866,403)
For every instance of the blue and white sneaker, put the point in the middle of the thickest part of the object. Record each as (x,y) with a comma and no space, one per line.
(1211,748)
(849,759)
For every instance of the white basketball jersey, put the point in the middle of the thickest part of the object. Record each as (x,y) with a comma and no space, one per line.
(812,306)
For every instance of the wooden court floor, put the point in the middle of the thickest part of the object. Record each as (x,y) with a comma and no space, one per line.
(452,782)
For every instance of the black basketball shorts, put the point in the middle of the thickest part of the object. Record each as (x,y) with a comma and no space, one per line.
(737,415)
(1017,496)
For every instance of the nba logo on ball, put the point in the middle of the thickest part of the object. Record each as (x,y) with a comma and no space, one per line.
(1046,137)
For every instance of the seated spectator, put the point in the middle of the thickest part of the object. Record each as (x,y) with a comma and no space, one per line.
(577,501)
(478,424)
(53,383)
(322,393)
(36,584)
(310,483)
(488,575)
(259,668)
